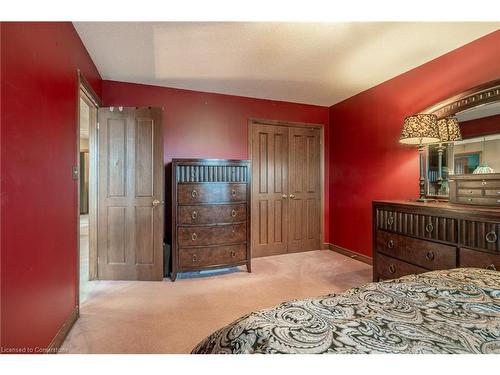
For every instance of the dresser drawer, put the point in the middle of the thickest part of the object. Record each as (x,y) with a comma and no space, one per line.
(211,235)
(478,259)
(417,225)
(477,184)
(481,201)
(211,193)
(193,258)
(422,253)
(470,192)
(391,268)
(480,235)
(492,193)
(212,214)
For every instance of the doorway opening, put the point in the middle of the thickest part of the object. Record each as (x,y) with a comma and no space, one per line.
(86,170)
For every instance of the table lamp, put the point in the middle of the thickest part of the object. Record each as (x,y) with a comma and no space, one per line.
(420,129)
(449,131)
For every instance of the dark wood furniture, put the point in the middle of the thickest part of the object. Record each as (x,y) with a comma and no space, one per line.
(476,189)
(413,237)
(210,214)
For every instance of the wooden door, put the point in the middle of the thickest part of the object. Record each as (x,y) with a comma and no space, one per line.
(286,189)
(269,190)
(304,204)
(130,194)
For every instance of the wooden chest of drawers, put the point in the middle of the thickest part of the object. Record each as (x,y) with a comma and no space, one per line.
(413,237)
(210,214)
(476,189)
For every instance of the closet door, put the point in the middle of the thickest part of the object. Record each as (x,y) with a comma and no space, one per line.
(269,190)
(304,203)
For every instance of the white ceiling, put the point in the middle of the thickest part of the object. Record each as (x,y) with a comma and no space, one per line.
(314,63)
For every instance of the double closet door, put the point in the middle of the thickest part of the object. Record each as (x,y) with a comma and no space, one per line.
(286,189)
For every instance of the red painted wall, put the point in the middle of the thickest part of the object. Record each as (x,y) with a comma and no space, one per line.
(205,125)
(367,161)
(480,126)
(39,63)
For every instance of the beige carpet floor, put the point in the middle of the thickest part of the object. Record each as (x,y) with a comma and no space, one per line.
(172,317)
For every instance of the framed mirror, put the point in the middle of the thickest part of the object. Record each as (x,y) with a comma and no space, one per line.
(478,113)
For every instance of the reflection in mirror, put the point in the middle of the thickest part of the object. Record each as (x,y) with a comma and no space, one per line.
(476,155)
(478,152)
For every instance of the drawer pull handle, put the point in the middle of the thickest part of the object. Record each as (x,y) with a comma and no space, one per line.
(470,199)
(233,213)
(392,268)
(429,255)
(233,254)
(390,220)
(471,192)
(491,267)
(429,228)
(233,192)
(491,237)
(194,215)
(484,183)
(194,237)
(195,258)
(498,192)
(390,244)
(194,193)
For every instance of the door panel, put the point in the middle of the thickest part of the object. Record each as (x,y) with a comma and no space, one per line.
(130,225)
(269,208)
(305,190)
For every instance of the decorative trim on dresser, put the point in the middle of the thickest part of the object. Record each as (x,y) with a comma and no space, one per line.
(414,237)
(210,214)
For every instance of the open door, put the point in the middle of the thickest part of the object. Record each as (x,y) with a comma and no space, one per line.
(130,194)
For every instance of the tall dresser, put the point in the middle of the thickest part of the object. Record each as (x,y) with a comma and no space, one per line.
(412,237)
(210,214)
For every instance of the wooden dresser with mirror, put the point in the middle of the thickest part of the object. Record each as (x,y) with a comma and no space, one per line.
(459,225)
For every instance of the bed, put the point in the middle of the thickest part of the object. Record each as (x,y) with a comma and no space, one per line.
(452,311)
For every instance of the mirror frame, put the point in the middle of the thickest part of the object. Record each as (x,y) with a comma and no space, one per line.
(485,93)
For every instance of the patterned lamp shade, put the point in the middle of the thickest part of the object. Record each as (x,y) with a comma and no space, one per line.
(420,129)
(483,169)
(449,130)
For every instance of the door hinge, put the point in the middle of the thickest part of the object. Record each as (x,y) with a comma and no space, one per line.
(74,173)
(97,126)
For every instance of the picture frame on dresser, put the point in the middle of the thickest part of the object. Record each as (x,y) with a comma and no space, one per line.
(210,221)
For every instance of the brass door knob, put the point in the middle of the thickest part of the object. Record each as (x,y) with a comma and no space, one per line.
(284,196)
(292,196)
(155,203)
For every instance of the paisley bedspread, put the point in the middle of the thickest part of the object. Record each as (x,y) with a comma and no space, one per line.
(452,311)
